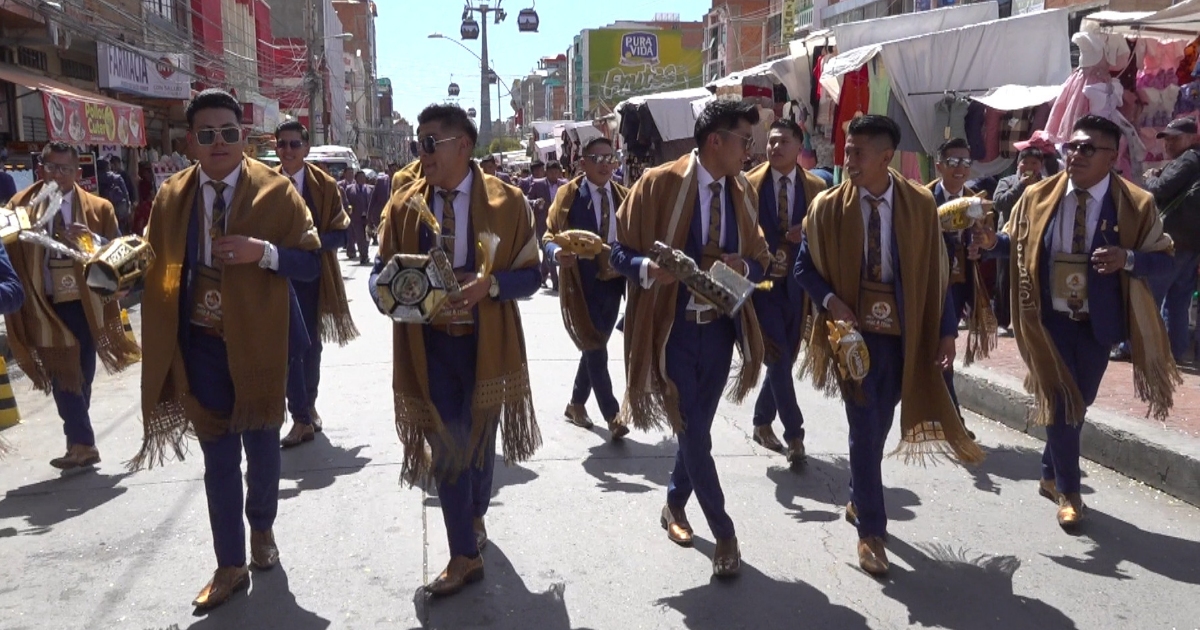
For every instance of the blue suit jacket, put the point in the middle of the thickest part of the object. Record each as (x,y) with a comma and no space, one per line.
(1106,304)
(768,220)
(582,216)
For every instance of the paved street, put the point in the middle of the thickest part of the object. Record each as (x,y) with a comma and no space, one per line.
(575,535)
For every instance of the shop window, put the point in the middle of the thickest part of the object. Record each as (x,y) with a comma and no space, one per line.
(775,27)
(31,58)
(76,70)
(34,129)
(163,8)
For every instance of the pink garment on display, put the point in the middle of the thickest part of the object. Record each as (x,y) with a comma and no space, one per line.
(910,165)
(1072,104)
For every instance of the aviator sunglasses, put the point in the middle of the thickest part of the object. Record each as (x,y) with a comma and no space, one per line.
(1086,149)
(601,159)
(955,162)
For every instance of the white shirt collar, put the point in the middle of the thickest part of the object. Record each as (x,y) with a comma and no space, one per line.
(230,179)
(776,176)
(1097,192)
(594,188)
(298,176)
(886,196)
(703,177)
(946,191)
(464,187)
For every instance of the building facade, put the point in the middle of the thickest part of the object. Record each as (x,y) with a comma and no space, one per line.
(737,36)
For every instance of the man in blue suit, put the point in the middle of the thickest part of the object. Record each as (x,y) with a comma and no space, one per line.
(592,293)
(678,347)
(865,260)
(1082,246)
(781,184)
(358,206)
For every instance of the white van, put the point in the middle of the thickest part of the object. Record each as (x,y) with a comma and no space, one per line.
(334,159)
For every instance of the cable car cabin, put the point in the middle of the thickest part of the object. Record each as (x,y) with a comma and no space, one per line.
(527,21)
(453,89)
(469,29)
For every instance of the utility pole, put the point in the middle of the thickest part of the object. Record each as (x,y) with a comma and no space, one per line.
(485,88)
(316,54)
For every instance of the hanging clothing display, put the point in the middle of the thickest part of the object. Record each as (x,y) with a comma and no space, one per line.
(880,87)
(950,116)
(854,102)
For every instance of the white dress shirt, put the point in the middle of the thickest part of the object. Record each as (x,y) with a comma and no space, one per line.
(1063,230)
(462,217)
(703,180)
(885,228)
(596,195)
(791,191)
(298,180)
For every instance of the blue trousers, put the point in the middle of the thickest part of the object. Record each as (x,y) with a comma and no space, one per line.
(783,325)
(1086,359)
(208,374)
(304,376)
(698,361)
(1174,293)
(959,294)
(73,407)
(451,368)
(593,365)
(870,424)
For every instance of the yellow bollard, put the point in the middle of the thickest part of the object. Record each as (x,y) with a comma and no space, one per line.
(128,326)
(9,414)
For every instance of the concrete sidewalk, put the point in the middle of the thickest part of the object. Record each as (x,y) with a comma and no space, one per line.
(1117,435)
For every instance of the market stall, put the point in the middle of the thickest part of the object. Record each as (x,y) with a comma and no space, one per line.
(657,128)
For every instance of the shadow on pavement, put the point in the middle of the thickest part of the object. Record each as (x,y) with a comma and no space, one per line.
(317,465)
(828,483)
(502,477)
(652,462)
(959,590)
(1116,542)
(47,503)
(270,604)
(1006,462)
(500,600)
(756,600)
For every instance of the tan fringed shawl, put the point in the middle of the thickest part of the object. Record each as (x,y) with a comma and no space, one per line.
(571,300)
(502,393)
(1139,228)
(255,304)
(333,310)
(41,343)
(406,176)
(929,424)
(982,330)
(813,186)
(659,208)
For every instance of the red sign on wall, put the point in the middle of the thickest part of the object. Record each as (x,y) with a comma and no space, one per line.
(77,121)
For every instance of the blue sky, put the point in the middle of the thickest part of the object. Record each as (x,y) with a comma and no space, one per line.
(421,68)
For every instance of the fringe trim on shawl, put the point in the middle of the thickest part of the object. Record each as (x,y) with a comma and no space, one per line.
(509,400)
(575,316)
(166,431)
(650,411)
(1155,384)
(415,419)
(45,365)
(982,325)
(114,349)
(338,328)
(819,364)
(927,443)
(333,311)
(1042,414)
(746,378)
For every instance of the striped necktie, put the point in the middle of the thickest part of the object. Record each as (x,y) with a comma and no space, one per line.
(1079,236)
(712,248)
(784,207)
(605,215)
(874,241)
(219,208)
(448,222)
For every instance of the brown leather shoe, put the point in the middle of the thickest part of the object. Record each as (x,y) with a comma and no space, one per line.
(677,526)
(851,514)
(795,452)
(1070,510)
(299,434)
(872,557)
(316,422)
(263,552)
(618,431)
(765,437)
(727,559)
(77,456)
(224,583)
(481,538)
(459,572)
(1048,489)
(578,416)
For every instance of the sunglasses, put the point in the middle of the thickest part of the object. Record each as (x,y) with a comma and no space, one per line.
(1086,149)
(290,144)
(601,159)
(956,162)
(58,169)
(429,144)
(229,135)
(747,141)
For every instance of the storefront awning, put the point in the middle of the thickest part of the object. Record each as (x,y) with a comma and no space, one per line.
(76,116)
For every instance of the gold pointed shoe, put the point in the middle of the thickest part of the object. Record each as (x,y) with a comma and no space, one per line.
(676,524)
(578,416)
(872,557)
(481,537)
(727,559)
(1049,489)
(299,434)
(264,554)
(764,436)
(1070,510)
(224,583)
(77,456)
(459,572)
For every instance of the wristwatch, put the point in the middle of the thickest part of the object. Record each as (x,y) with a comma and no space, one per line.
(1128,260)
(493,287)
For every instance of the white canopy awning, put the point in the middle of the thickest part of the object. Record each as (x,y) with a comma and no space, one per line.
(1010,98)
(1182,20)
(672,111)
(866,32)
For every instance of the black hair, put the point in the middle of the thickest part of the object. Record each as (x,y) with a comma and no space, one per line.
(59,147)
(101,166)
(950,145)
(554,164)
(587,146)
(536,164)
(292,125)
(1031,152)
(1100,125)
(213,98)
(875,126)
(787,124)
(723,115)
(488,158)
(450,116)
(115,159)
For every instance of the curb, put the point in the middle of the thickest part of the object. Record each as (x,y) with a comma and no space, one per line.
(1160,458)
